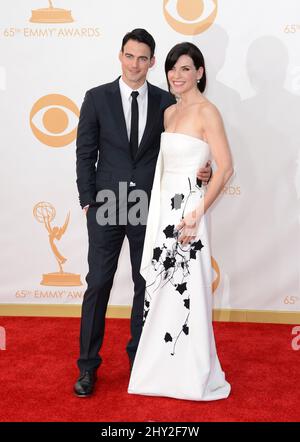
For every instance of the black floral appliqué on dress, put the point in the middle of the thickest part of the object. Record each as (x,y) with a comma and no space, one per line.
(174,260)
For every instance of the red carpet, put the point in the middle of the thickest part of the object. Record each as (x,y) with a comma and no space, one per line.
(37,372)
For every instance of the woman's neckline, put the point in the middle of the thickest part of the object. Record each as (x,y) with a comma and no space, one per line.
(185,135)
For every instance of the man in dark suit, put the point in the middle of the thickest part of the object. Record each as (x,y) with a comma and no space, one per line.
(118,141)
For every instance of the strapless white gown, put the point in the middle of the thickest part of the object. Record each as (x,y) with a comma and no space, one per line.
(177,355)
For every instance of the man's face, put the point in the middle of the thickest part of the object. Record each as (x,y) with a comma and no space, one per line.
(135,60)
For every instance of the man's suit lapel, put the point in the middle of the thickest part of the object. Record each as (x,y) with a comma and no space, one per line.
(115,103)
(152,115)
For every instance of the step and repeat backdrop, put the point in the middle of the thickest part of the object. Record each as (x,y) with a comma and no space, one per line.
(51,52)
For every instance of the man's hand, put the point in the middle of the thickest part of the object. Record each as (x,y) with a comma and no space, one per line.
(204,173)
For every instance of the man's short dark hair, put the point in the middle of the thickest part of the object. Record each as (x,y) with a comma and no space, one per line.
(142,36)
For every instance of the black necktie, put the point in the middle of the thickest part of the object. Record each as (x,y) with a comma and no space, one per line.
(134,129)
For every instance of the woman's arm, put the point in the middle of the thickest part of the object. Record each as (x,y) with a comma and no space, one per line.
(217,140)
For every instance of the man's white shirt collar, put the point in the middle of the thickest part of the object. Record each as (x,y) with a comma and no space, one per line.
(126,90)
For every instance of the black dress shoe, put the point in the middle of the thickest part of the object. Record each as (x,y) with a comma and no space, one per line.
(84,386)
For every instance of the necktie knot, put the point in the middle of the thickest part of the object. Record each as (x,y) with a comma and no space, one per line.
(134,94)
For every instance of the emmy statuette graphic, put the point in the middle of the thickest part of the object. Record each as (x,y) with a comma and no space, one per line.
(45,213)
(51,15)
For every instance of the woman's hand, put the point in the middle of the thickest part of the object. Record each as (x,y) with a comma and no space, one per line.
(188,227)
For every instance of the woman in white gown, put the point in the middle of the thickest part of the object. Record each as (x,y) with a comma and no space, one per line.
(177,355)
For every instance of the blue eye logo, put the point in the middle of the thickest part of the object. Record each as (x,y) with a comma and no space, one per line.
(190,17)
(55,113)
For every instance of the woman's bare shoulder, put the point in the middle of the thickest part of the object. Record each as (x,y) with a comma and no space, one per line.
(168,113)
(207,107)
(170,110)
(208,111)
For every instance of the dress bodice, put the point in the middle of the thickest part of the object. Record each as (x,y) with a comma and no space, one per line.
(183,154)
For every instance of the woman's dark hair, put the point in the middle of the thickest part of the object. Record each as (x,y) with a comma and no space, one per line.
(142,36)
(192,51)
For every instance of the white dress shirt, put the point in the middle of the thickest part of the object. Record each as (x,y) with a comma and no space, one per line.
(142,100)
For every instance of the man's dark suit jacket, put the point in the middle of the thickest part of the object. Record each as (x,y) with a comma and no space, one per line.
(103,151)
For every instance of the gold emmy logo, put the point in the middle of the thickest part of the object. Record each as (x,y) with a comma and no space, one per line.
(216,268)
(190,17)
(55,120)
(51,15)
(45,213)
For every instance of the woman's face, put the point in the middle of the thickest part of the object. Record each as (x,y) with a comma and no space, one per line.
(183,76)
